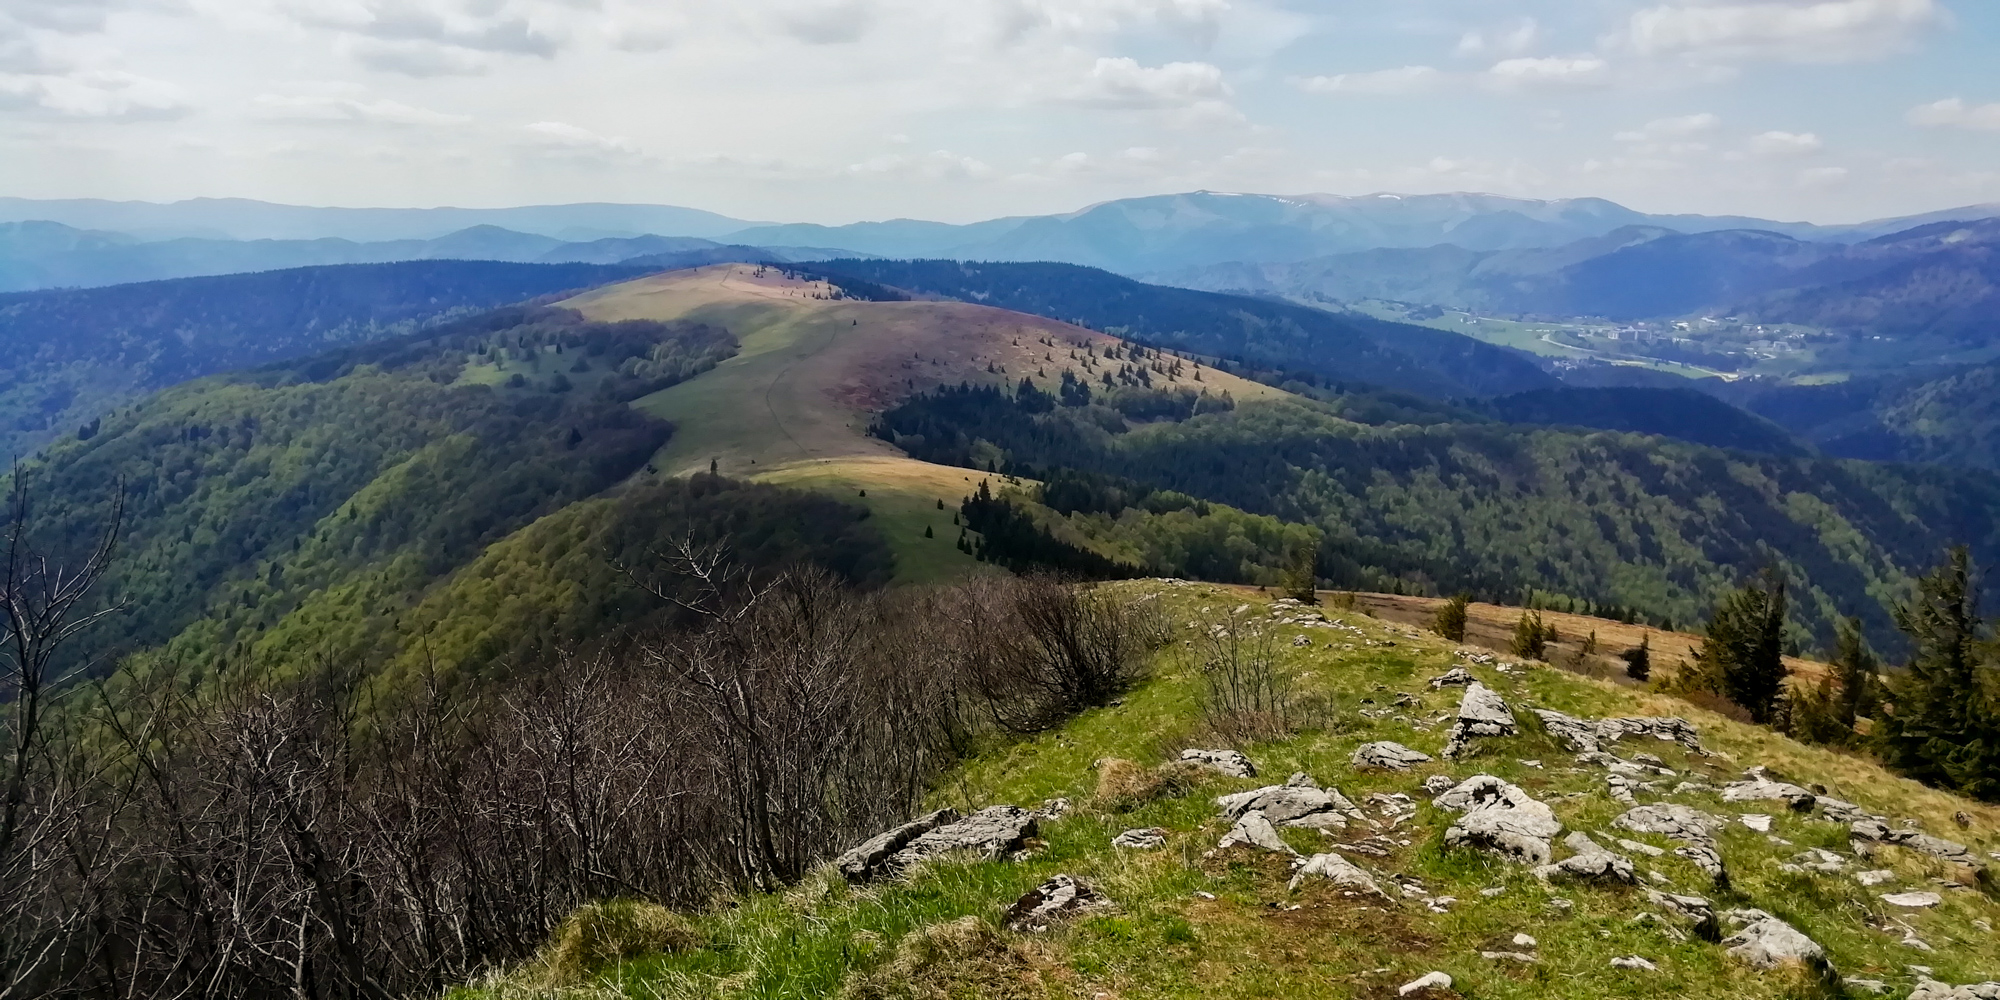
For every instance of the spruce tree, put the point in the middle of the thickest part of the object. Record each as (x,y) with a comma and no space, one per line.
(1639,659)
(1451,618)
(1744,650)
(1855,668)
(1939,726)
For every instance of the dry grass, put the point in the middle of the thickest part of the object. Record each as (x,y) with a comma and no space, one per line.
(961,959)
(1124,785)
(599,934)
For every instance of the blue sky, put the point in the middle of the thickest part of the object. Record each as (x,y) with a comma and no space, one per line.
(840,110)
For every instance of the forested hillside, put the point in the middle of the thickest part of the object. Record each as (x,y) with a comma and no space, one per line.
(299,510)
(1261,332)
(73,355)
(1615,519)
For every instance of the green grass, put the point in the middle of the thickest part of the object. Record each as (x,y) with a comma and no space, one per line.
(1255,938)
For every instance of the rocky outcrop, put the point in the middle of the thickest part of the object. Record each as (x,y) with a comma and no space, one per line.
(1142,839)
(1591,863)
(1692,827)
(1481,713)
(1228,762)
(1298,802)
(1838,811)
(1387,756)
(1762,941)
(1931,989)
(1878,832)
(1758,788)
(1254,829)
(1498,816)
(1455,677)
(870,858)
(1339,871)
(1586,736)
(1058,899)
(1694,911)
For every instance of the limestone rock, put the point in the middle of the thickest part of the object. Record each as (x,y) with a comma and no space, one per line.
(1814,859)
(870,858)
(1762,941)
(1762,789)
(1142,839)
(1591,863)
(1912,900)
(990,833)
(1481,713)
(1875,877)
(1931,989)
(1438,784)
(1254,829)
(1428,981)
(1228,762)
(1756,821)
(1692,827)
(1339,871)
(1455,677)
(1634,962)
(1060,898)
(1498,816)
(1278,803)
(1507,956)
(1694,911)
(1839,811)
(1937,847)
(1388,756)
(1585,736)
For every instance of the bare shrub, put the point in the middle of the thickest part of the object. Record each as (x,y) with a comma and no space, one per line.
(1245,695)
(1054,649)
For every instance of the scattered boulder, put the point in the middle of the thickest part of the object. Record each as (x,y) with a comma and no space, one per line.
(1388,756)
(1912,900)
(1254,829)
(1760,789)
(1838,811)
(1060,898)
(1756,821)
(1455,677)
(993,832)
(1498,816)
(1875,877)
(1339,871)
(1620,788)
(1507,956)
(1438,784)
(870,858)
(1481,713)
(1762,941)
(1228,762)
(1931,989)
(1428,981)
(1298,802)
(1875,986)
(1814,859)
(1142,839)
(1692,827)
(1937,847)
(1694,911)
(1634,962)
(1585,736)
(1591,863)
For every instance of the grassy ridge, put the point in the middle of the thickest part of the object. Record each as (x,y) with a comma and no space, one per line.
(1194,923)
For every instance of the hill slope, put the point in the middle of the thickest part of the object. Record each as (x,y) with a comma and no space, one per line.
(1188,918)
(77,354)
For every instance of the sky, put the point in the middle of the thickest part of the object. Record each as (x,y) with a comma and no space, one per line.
(836,111)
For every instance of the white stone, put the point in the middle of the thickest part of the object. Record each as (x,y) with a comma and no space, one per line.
(1634,962)
(1913,900)
(1428,981)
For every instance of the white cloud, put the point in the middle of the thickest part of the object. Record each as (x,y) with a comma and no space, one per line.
(937,165)
(1406,80)
(1806,31)
(1014,19)
(1679,127)
(572,142)
(1953,112)
(1823,176)
(1786,144)
(99,94)
(348,109)
(827,22)
(1507,41)
(1549,71)
(1124,83)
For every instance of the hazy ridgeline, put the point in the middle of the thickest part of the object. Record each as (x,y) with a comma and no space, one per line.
(319,837)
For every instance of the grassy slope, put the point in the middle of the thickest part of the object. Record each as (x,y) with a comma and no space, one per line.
(1254,938)
(793,407)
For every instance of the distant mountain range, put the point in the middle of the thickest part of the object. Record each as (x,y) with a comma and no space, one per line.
(38,255)
(1160,237)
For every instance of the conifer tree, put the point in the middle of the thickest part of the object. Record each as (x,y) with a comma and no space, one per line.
(1639,659)
(1940,726)
(1744,650)
(1451,618)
